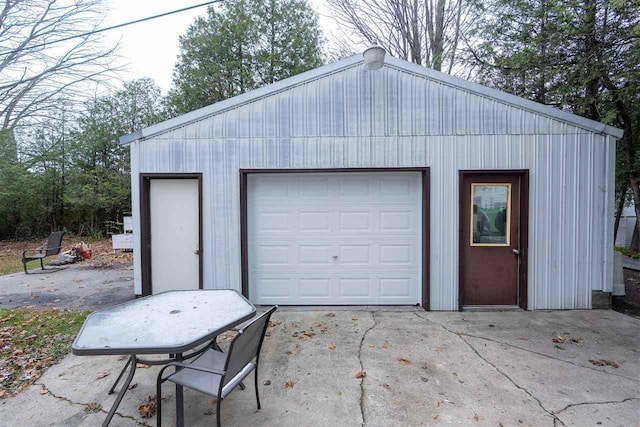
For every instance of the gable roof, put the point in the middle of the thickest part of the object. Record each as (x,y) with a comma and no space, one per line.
(408,67)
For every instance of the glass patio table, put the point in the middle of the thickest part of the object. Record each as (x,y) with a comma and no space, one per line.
(171,323)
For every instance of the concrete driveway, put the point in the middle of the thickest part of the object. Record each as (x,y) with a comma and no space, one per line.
(78,286)
(485,369)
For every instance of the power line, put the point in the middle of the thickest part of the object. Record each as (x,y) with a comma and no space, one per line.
(124,24)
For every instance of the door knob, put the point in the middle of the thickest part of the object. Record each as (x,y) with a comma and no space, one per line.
(515,251)
(197,252)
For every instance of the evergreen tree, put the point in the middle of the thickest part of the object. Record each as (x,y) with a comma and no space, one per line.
(582,56)
(241,46)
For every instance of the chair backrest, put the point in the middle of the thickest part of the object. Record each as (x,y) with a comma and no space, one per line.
(54,242)
(247,344)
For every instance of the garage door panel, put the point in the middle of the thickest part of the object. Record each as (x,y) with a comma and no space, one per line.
(353,187)
(354,221)
(269,254)
(336,239)
(314,255)
(314,221)
(355,287)
(397,188)
(400,254)
(395,287)
(272,221)
(315,288)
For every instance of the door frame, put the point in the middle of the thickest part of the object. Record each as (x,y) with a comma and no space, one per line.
(145,225)
(523,243)
(426,219)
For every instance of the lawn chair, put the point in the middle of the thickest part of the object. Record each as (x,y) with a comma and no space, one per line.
(54,244)
(216,373)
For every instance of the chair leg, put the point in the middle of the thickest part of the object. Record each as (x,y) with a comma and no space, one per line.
(158,403)
(218,401)
(257,394)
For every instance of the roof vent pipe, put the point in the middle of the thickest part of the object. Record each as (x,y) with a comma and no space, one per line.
(374,57)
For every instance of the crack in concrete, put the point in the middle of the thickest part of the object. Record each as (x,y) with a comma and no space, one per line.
(86,405)
(549,356)
(504,374)
(364,335)
(610,402)
(534,352)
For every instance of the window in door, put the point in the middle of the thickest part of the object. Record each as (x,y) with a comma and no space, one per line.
(490,214)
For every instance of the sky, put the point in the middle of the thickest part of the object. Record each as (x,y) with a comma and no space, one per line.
(149,49)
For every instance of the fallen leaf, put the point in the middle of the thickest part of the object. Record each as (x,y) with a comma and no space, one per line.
(267,382)
(354,318)
(289,384)
(132,386)
(372,345)
(102,375)
(147,408)
(44,390)
(476,417)
(436,417)
(332,346)
(331,315)
(404,361)
(317,324)
(142,365)
(596,362)
(559,339)
(387,386)
(92,408)
(610,363)
(309,333)
(361,374)
(385,345)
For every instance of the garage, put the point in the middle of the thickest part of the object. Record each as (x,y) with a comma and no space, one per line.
(335,238)
(389,185)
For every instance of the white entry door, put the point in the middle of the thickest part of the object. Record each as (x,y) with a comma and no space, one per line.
(174,221)
(335,238)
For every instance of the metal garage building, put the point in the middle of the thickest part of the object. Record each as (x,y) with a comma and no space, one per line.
(401,185)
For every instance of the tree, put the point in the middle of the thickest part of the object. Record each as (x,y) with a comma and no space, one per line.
(243,45)
(35,71)
(99,182)
(582,56)
(426,32)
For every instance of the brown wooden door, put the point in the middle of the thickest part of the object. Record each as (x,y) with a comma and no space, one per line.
(490,251)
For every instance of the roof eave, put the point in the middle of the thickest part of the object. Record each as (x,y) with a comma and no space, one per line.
(505,97)
(316,73)
(238,100)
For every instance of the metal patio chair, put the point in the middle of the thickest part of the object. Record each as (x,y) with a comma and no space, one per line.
(216,373)
(54,244)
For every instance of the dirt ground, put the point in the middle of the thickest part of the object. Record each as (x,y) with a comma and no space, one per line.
(102,253)
(630,303)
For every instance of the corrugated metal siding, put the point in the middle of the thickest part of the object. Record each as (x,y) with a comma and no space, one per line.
(391,118)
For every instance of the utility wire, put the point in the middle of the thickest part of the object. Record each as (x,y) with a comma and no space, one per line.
(124,24)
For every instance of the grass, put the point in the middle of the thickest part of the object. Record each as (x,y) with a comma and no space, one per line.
(31,340)
(628,252)
(10,264)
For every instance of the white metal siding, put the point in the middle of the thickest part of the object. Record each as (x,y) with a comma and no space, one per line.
(392,118)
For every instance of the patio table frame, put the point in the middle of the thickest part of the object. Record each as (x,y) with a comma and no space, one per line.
(176,354)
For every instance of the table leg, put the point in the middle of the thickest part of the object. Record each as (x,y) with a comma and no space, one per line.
(179,398)
(123,390)
(115,384)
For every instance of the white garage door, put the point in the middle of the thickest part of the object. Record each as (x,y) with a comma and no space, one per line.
(335,238)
